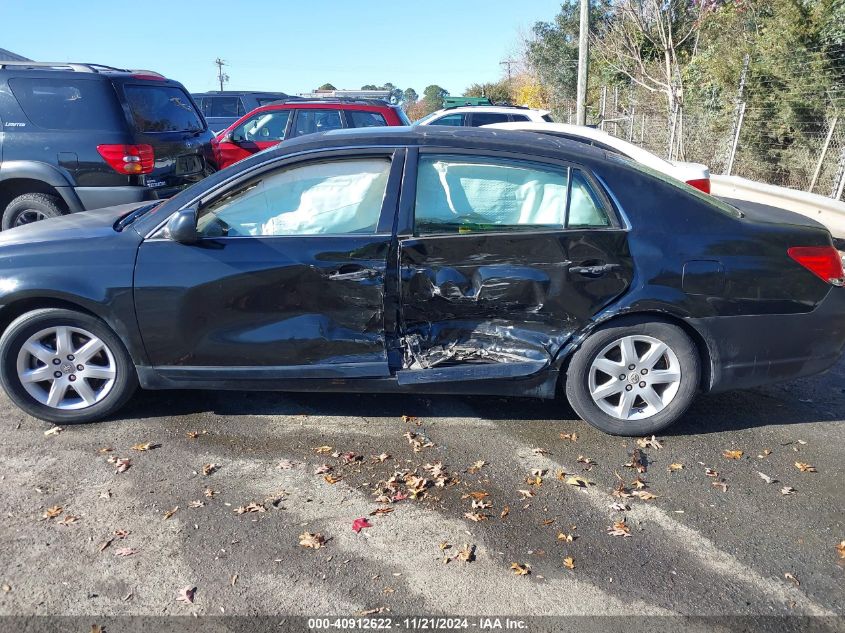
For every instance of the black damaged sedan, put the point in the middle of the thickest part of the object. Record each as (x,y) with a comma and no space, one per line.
(420,260)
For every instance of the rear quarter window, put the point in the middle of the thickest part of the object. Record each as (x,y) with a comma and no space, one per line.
(360,118)
(162,109)
(68,104)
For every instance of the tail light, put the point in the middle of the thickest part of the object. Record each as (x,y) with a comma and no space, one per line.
(702,184)
(128,159)
(824,262)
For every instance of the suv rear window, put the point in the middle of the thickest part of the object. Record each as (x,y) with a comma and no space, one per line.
(361,118)
(162,109)
(68,104)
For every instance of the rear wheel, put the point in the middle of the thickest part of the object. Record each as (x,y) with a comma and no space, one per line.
(634,377)
(64,366)
(31,207)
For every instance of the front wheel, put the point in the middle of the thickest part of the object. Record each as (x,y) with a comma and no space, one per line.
(634,376)
(65,367)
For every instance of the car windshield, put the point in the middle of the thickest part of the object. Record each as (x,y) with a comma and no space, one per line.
(427,117)
(162,109)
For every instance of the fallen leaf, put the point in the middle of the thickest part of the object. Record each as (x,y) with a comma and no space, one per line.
(480,494)
(418,441)
(505,512)
(481,504)
(805,468)
(645,495)
(766,478)
(675,467)
(476,466)
(332,479)
(314,541)
(207,469)
(170,513)
(360,524)
(105,494)
(475,516)
(146,446)
(789,576)
(234,580)
(323,450)
(105,544)
(766,452)
(381,458)
(251,507)
(192,435)
(380,511)
(619,528)
(539,451)
(732,454)
(67,520)
(710,472)
(534,480)
(323,469)
(637,461)
(374,611)
(580,482)
(521,569)
(123,552)
(649,442)
(122,464)
(196,504)
(639,483)
(841,549)
(571,437)
(186,595)
(620,507)
(566,538)
(409,418)
(52,513)
(569,563)
(121,533)
(208,492)
(351,458)
(54,431)
(466,554)
(585,460)
(526,494)
(720,484)
(787,490)
(105,449)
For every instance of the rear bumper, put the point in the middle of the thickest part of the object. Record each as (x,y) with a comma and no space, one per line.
(99,197)
(750,351)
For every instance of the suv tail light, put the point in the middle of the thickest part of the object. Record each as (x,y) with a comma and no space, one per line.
(824,262)
(128,159)
(702,184)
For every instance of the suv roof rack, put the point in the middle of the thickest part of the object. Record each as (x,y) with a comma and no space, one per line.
(489,104)
(359,101)
(76,67)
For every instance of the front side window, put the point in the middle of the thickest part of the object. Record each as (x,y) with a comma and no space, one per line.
(450,119)
(68,104)
(488,118)
(265,126)
(309,121)
(162,109)
(360,118)
(458,194)
(326,197)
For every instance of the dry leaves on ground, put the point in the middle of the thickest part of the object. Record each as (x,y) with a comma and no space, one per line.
(122,464)
(123,552)
(571,437)
(566,538)
(578,482)
(54,431)
(637,461)
(569,563)
(186,595)
(208,469)
(146,446)
(521,569)
(476,466)
(766,478)
(52,513)
(721,485)
(251,507)
(332,479)
(805,468)
(170,513)
(732,454)
(787,490)
(418,441)
(476,517)
(789,576)
(310,540)
(649,442)
(199,503)
(67,520)
(619,528)
(673,468)
(841,549)
(359,524)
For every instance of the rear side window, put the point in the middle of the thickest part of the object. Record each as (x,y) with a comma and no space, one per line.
(519,117)
(162,109)
(359,118)
(309,121)
(548,118)
(487,118)
(68,104)
(457,194)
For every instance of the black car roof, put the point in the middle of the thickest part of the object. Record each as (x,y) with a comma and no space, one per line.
(238,93)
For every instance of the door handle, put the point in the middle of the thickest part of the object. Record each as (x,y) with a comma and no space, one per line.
(352,273)
(594,270)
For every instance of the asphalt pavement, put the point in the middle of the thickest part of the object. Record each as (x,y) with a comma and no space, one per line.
(221,488)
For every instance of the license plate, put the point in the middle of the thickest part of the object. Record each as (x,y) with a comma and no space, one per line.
(188,164)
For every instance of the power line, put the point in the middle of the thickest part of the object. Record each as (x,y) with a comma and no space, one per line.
(221,76)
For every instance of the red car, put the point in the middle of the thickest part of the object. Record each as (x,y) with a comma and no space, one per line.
(269,125)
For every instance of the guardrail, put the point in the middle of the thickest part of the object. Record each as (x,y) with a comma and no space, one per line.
(828,211)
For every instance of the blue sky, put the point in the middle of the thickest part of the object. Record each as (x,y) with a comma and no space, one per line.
(292,46)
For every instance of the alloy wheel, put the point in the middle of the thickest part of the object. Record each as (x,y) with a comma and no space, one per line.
(66,368)
(634,377)
(28,216)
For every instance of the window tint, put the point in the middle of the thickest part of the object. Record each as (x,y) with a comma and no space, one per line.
(548,118)
(263,101)
(309,121)
(266,126)
(463,195)
(487,118)
(335,197)
(585,208)
(162,109)
(69,104)
(519,117)
(224,107)
(449,119)
(360,118)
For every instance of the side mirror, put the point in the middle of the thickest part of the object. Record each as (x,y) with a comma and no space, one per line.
(182,227)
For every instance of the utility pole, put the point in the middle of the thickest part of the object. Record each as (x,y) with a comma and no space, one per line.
(508,63)
(221,76)
(583,62)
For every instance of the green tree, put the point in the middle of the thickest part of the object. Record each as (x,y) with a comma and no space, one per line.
(410,97)
(327,87)
(433,96)
(498,92)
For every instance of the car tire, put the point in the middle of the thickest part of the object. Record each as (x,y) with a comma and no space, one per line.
(31,207)
(606,384)
(30,349)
